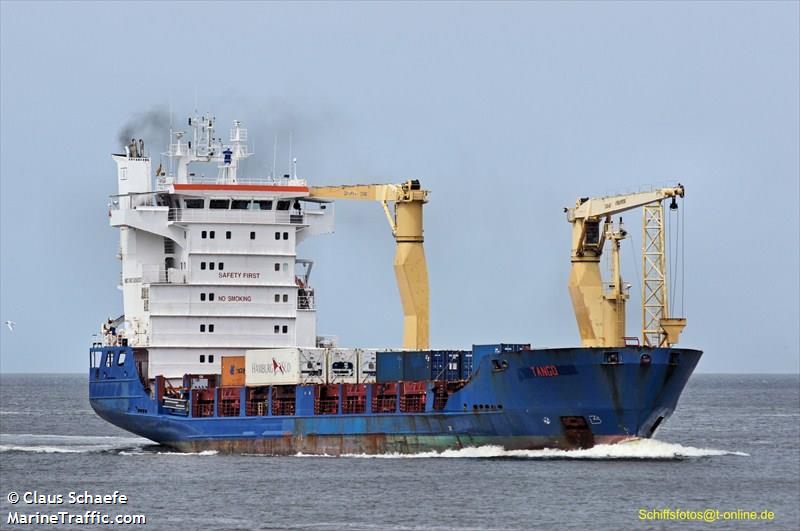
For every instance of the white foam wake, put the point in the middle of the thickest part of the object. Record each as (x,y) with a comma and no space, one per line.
(67,444)
(143,452)
(646,449)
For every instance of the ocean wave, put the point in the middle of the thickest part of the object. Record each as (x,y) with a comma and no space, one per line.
(644,449)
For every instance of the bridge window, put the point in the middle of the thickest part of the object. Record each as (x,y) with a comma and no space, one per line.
(240,204)
(262,205)
(193,203)
(284,205)
(219,204)
(110,360)
(121,358)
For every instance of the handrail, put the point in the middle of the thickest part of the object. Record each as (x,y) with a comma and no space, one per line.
(285,217)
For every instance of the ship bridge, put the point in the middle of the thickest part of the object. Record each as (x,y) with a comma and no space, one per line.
(209,264)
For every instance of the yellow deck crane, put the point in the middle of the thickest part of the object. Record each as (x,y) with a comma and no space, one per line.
(600,308)
(409,259)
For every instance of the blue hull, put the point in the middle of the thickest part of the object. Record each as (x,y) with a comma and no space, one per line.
(546,398)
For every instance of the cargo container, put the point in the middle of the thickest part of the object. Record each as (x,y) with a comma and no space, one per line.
(313,366)
(384,396)
(389,366)
(466,364)
(342,366)
(277,366)
(228,401)
(197,381)
(284,400)
(354,398)
(445,365)
(416,366)
(412,397)
(233,373)
(478,351)
(367,365)
(326,399)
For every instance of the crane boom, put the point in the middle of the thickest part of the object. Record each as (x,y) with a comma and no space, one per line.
(406,223)
(599,309)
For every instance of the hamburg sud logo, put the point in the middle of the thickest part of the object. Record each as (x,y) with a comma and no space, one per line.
(275,368)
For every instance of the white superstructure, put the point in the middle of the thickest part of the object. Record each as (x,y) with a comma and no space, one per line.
(209,264)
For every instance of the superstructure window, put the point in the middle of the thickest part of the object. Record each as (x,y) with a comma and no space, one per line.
(202,328)
(285,297)
(277,329)
(285,235)
(262,205)
(193,203)
(252,235)
(202,358)
(277,297)
(202,296)
(211,234)
(211,296)
(211,328)
(277,235)
(219,204)
(227,235)
(211,266)
(203,266)
(211,358)
(221,266)
(285,329)
(277,266)
(240,204)
(284,205)
(204,235)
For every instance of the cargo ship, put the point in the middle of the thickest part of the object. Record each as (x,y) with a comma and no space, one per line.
(217,347)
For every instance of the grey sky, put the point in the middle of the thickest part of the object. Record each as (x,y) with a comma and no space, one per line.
(507,112)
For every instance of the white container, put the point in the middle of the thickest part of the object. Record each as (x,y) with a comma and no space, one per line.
(313,366)
(342,365)
(367,365)
(274,366)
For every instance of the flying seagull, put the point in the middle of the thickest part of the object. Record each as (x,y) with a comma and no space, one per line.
(11,325)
